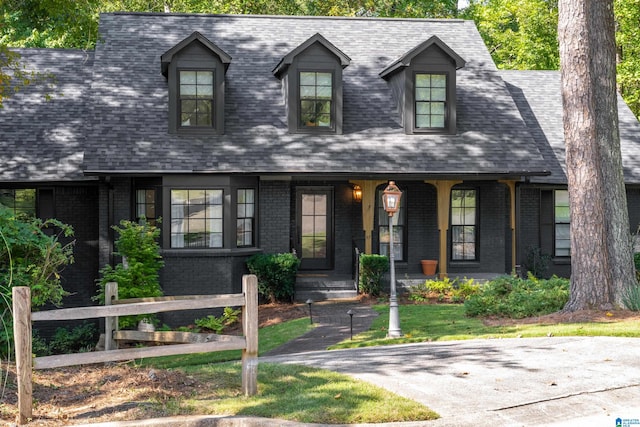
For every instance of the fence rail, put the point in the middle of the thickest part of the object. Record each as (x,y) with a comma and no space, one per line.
(184,343)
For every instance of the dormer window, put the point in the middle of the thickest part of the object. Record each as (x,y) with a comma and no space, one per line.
(196,98)
(195,70)
(312,79)
(430,101)
(423,82)
(316,99)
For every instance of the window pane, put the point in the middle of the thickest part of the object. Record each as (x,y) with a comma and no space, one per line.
(196,218)
(438,94)
(324,79)
(423,94)
(423,121)
(423,80)
(188,77)
(324,92)
(307,91)
(204,78)
(438,80)
(308,79)
(437,121)
(437,108)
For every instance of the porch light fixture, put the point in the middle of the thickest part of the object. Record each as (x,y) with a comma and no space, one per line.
(309,302)
(357,193)
(391,202)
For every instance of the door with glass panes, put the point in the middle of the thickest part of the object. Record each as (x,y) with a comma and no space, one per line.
(314,227)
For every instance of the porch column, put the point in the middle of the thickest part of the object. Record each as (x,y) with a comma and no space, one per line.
(368,209)
(512,192)
(443,189)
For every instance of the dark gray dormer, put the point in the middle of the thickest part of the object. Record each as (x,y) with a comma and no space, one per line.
(195,70)
(311,75)
(423,82)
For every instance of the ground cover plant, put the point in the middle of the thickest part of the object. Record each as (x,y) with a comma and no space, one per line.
(514,297)
(456,290)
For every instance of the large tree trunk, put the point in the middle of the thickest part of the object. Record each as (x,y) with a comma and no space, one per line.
(601,256)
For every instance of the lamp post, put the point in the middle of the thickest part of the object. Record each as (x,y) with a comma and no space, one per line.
(391,203)
(309,302)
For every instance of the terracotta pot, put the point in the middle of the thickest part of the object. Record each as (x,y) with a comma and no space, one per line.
(429,266)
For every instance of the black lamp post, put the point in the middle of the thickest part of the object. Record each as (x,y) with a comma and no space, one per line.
(391,203)
(350,313)
(309,302)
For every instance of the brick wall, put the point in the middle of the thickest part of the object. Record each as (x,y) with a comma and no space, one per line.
(275,199)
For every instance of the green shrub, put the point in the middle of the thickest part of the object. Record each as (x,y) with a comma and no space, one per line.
(372,270)
(536,262)
(228,317)
(636,262)
(453,290)
(30,256)
(78,339)
(518,298)
(140,277)
(276,275)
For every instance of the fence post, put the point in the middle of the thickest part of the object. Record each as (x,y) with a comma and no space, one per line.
(22,337)
(250,331)
(111,322)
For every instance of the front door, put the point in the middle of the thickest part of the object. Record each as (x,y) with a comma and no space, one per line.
(314,227)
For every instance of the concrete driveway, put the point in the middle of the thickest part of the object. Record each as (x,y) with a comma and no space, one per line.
(572,381)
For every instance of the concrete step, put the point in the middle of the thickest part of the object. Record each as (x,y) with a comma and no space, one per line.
(302,295)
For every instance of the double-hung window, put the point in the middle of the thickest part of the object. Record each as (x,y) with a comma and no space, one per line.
(316,99)
(464,217)
(245,217)
(197,218)
(196,104)
(562,225)
(430,101)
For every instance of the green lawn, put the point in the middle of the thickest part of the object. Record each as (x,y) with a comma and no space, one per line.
(310,395)
(439,322)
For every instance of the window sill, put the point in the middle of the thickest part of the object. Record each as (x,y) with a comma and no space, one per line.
(561,260)
(465,264)
(208,252)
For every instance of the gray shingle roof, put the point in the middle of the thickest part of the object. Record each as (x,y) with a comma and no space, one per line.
(129,115)
(538,96)
(43,140)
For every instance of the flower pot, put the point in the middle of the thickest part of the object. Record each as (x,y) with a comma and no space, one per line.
(429,266)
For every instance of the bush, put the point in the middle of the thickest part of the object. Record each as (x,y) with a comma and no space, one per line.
(276,275)
(636,262)
(29,256)
(372,269)
(445,289)
(139,275)
(518,298)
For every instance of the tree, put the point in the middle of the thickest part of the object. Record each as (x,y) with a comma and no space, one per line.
(520,34)
(628,51)
(601,257)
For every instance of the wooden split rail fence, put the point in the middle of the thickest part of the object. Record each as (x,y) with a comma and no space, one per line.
(184,343)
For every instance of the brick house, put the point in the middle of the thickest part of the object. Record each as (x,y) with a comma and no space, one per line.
(270,134)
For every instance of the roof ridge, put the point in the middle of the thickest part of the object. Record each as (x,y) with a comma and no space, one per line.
(293,17)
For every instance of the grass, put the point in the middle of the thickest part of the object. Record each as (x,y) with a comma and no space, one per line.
(309,395)
(441,322)
(269,337)
(302,394)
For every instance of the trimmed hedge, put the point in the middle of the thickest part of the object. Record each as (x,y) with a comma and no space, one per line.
(276,275)
(372,269)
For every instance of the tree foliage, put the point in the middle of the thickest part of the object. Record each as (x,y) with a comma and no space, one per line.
(32,254)
(138,275)
(520,34)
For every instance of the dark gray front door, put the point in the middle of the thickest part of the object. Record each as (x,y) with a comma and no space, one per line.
(314,221)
